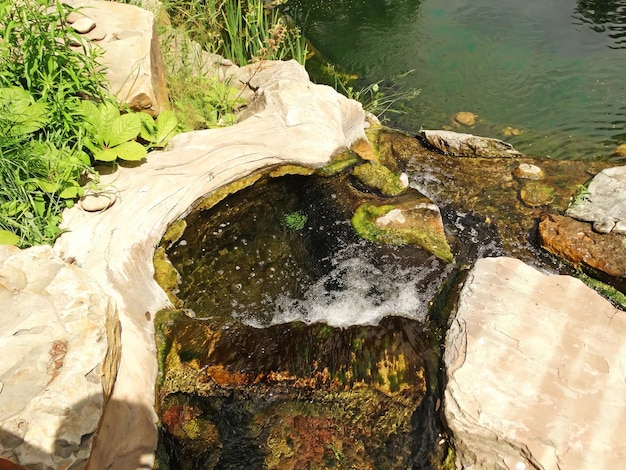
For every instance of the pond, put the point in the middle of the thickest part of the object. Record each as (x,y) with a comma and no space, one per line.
(551,68)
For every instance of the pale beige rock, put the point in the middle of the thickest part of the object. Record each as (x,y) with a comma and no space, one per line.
(57,337)
(294,121)
(535,367)
(529,171)
(83,25)
(94,201)
(132,55)
(468,145)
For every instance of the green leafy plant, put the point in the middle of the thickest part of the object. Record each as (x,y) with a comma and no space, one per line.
(243,31)
(203,102)
(582,194)
(378,98)
(36,54)
(110,134)
(156,133)
(295,220)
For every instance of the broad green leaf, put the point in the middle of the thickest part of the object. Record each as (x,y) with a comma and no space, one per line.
(45,185)
(109,113)
(132,151)
(108,155)
(90,113)
(39,204)
(83,157)
(148,127)
(166,126)
(71,192)
(8,238)
(123,129)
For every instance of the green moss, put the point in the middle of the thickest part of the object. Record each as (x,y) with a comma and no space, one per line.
(295,220)
(226,190)
(364,224)
(615,296)
(291,170)
(166,275)
(339,163)
(380,178)
(163,321)
(174,232)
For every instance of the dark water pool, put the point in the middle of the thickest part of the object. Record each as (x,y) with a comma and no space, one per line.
(555,69)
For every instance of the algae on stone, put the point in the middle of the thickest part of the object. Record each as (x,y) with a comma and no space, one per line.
(380,178)
(364,222)
(166,275)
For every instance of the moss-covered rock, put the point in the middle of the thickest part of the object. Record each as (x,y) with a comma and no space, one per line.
(416,222)
(166,275)
(380,178)
(339,163)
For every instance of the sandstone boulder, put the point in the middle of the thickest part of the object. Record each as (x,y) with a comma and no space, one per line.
(579,244)
(131,51)
(60,347)
(535,372)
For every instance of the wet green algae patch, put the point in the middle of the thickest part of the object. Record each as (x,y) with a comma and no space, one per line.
(423,227)
(290,395)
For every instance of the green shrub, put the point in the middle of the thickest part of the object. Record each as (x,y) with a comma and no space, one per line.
(36,55)
(243,31)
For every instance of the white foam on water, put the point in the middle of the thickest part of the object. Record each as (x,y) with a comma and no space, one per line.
(356,292)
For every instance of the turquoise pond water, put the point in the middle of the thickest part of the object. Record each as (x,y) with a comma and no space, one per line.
(555,69)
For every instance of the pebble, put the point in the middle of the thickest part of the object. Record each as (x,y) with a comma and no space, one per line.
(84,25)
(95,202)
(466,118)
(529,172)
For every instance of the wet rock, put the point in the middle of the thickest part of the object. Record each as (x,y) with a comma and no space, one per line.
(620,150)
(509,131)
(60,343)
(486,188)
(579,244)
(529,171)
(604,202)
(117,246)
(534,366)
(417,221)
(293,396)
(465,118)
(379,178)
(535,194)
(128,32)
(468,145)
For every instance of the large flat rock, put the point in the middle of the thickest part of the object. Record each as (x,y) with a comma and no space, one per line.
(535,367)
(60,349)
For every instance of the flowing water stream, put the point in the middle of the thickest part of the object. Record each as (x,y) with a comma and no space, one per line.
(551,68)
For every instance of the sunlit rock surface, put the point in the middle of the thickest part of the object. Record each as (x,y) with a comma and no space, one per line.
(468,145)
(292,121)
(582,246)
(59,338)
(132,56)
(535,369)
(604,202)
